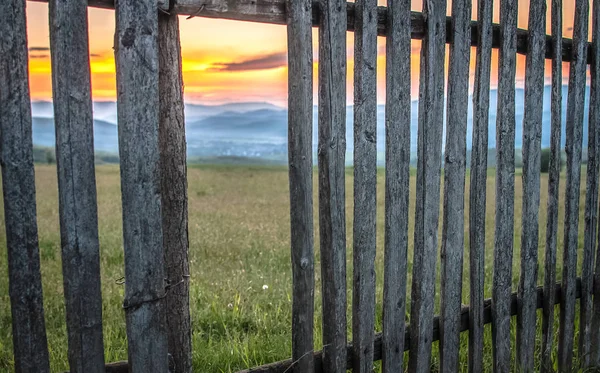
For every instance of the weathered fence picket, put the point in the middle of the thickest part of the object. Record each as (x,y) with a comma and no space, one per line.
(365,182)
(136,57)
(532,136)
(153,182)
(586,330)
(546,363)
(300,106)
(478,182)
(397,183)
(505,188)
(77,184)
(574,129)
(452,247)
(173,169)
(18,186)
(429,153)
(332,188)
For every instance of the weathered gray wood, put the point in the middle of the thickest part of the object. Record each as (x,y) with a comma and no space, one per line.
(332,191)
(454,186)
(136,56)
(300,106)
(587,334)
(594,122)
(546,364)
(478,182)
(574,129)
(71,88)
(505,189)
(273,11)
(532,135)
(173,168)
(365,184)
(18,186)
(431,111)
(397,180)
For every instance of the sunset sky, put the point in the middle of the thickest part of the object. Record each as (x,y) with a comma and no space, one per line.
(226,61)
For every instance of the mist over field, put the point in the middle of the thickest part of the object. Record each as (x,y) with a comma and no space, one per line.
(257,131)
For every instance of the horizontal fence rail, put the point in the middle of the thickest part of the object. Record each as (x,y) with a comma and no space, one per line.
(273,11)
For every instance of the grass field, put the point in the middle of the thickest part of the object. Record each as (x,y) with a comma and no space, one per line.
(239,242)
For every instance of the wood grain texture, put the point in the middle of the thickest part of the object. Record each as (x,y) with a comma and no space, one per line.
(574,129)
(332,191)
(397,180)
(284,365)
(71,88)
(546,364)
(478,182)
(429,150)
(532,135)
(505,189)
(594,122)
(174,198)
(18,187)
(136,56)
(454,186)
(365,184)
(587,339)
(300,106)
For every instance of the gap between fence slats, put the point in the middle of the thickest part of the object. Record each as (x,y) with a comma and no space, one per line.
(452,247)
(18,186)
(478,182)
(429,150)
(546,363)
(300,106)
(365,182)
(574,129)
(397,184)
(136,57)
(78,210)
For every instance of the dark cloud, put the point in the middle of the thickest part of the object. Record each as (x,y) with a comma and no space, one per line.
(39,56)
(39,49)
(95,55)
(271,61)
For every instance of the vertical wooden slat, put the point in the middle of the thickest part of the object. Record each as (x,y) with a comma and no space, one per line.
(397,180)
(594,122)
(18,186)
(300,91)
(586,331)
(136,51)
(532,134)
(478,183)
(454,186)
(429,152)
(332,191)
(505,190)
(574,129)
(71,87)
(546,364)
(365,184)
(174,201)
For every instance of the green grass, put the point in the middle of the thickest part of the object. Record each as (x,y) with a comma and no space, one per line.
(239,242)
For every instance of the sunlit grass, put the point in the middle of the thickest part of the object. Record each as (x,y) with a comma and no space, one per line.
(239,241)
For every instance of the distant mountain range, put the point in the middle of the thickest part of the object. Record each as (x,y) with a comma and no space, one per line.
(258,131)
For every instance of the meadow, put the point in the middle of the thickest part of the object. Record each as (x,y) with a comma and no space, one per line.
(239,261)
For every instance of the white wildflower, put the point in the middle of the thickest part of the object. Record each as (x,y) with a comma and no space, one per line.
(265,287)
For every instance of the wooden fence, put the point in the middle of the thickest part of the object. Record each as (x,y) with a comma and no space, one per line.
(152,150)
